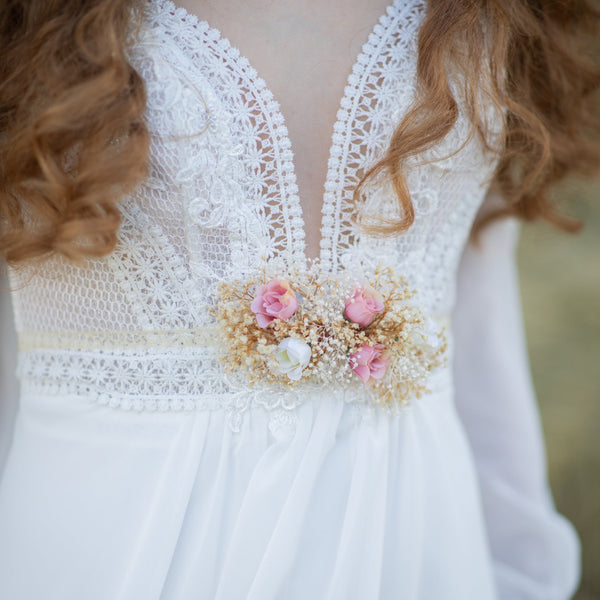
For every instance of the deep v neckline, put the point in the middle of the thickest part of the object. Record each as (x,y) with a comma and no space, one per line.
(289,204)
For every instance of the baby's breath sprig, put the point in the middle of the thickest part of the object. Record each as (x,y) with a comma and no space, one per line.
(306,326)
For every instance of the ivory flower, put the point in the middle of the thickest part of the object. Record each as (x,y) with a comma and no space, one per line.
(274,300)
(291,356)
(428,336)
(370,361)
(364,305)
(432,331)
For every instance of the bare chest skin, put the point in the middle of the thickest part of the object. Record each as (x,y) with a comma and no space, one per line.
(304,50)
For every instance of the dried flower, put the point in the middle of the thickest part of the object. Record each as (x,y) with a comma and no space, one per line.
(370,362)
(428,335)
(291,358)
(275,300)
(341,331)
(363,305)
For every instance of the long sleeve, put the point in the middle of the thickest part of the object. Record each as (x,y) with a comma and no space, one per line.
(535,550)
(8,382)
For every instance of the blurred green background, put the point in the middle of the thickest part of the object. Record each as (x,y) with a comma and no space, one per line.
(560,288)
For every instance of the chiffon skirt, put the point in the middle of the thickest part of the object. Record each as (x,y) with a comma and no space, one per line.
(324,502)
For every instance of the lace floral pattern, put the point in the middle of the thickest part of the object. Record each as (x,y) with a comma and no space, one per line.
(173,380)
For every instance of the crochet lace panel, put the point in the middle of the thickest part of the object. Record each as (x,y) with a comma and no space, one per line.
(221,199)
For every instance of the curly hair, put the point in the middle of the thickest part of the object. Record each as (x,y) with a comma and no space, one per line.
(65,80)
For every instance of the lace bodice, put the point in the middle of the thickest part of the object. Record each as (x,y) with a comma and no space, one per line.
(221,199)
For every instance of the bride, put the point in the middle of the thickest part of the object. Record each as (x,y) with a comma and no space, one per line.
(261,257)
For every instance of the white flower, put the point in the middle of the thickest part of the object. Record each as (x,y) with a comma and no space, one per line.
(428,335)
(432,331)
(291,356)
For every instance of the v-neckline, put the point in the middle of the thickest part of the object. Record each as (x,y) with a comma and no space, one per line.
(341,129)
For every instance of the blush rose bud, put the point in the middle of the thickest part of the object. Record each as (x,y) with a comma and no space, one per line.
(364,305)
(370,361)
(274,300)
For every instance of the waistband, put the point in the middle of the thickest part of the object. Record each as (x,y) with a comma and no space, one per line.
(117,340)
(160,371)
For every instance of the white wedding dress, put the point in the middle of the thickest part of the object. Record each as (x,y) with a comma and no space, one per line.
(139,471)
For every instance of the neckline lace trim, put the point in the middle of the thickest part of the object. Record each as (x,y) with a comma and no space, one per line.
(344,130)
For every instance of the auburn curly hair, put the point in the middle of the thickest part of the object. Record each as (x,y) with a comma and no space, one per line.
(73,138)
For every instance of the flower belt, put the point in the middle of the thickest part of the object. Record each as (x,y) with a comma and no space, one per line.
(308,327)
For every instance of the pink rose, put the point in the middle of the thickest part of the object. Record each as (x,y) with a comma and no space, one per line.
(370,361)
(364,305)
(275,300)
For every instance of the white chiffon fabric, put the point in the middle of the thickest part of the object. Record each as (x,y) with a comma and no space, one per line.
(9,390)
(139,471)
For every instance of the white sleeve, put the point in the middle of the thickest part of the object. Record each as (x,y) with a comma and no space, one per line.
(8,382)
(535,550)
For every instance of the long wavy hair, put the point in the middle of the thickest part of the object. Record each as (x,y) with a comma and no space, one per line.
(73,138)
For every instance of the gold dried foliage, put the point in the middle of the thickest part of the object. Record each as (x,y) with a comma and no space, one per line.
(413,342)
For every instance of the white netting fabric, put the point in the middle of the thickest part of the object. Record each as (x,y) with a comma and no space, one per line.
(221,198)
